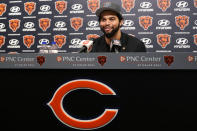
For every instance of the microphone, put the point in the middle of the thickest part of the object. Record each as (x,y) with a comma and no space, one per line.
(116,44)
(86,46)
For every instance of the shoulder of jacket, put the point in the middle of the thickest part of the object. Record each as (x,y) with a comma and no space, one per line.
(134,38)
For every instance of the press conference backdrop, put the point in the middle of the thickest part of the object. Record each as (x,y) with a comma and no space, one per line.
(163,25)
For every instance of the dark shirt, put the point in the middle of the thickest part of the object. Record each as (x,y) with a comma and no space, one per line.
(129,44)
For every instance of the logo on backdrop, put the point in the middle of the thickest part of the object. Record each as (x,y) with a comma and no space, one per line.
(145,22)
(77,7)
(30,7)
(163,4)
(2,40)
(14,24)
(93,5)
(60,6)
(182,21)
(195,3)
(56,105)
(195,39)
(13,42)
(76,23)
(60,40)
(127,5)
(163,40)
(2,8)
(2,27)
(44,23)
(164,22)
(28,40)
(182,4)
(15,10)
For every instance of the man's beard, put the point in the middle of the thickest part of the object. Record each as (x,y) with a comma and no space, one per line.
(112,33)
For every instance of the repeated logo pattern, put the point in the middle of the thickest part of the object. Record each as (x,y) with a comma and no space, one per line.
(163,25)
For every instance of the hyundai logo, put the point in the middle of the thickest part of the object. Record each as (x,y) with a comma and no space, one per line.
(163,22)
(15,9)
(76,7)
(43,41)
(181,4)
(29,25)
(13,42)
(145,5)
(181,41)
(2,25)
(195,22)
(45,8)
(146,41)
(93,23)
(128,23)
(60,24)
(75,41)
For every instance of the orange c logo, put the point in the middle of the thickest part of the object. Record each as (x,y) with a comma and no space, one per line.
(65,118)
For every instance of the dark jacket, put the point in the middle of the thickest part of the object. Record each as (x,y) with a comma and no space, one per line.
(129,44)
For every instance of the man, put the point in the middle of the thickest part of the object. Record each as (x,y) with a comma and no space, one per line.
(113,40)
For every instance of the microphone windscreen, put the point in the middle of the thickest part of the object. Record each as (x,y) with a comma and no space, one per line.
(86,43)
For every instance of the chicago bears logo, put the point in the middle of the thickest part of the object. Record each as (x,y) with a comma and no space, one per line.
(169,60)
(60,40)
(40,60)
(195,3)
(30,7)
(182,21)
(93,5)
(2,59)
(60,6)
(14,24)
(163,40)
(59,58)
(163,4)
(44,23)
(56,105)
(91,36)
(195,39)
(28,40)
(76,23)
(127,5)
(2,40)
(2,9)
(145,22)
(102,60)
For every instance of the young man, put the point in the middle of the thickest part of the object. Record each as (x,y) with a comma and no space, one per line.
(113,40)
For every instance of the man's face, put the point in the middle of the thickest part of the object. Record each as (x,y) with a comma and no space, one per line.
(109,23)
